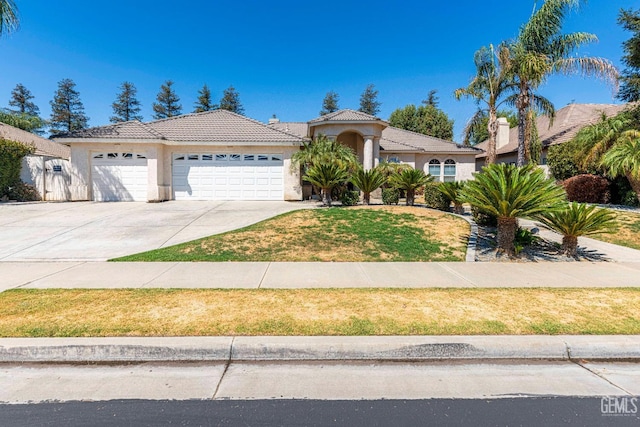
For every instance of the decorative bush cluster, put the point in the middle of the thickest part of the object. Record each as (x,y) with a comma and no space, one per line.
(350,197)
(435,199)
(587,189)
(11,154)
(390,196)
(483,218)
(24,193)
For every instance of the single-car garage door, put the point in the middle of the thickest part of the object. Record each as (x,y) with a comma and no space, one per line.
(222,176)
(119,177)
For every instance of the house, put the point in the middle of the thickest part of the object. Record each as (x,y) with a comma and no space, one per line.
(48,168)
(566,124)
(220,155)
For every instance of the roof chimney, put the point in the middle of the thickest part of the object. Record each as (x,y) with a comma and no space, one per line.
(502,138)
(273,120)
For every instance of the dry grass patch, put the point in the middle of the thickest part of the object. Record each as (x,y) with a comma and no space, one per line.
(375,233)
(155,312)
(628,234)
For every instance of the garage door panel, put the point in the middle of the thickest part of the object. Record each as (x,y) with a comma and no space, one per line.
(119,177)
(214,176)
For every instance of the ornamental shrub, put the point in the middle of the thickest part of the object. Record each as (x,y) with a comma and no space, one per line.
(587,189)
(390,196)
(483,218)
(350,197)
(24,193)
(11,154)
(435,199)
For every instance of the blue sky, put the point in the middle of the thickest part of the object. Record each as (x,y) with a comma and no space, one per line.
(282,56)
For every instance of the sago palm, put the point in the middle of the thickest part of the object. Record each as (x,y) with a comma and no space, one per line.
(595,140)
(367,182)
(623,159)
(326,177)
(8,17)
(453,191)
(578,219)
(509,192)
(323,150)
(541,49)
(489,87)
(410,180)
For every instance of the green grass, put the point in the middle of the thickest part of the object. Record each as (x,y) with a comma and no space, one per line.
(628,233)
(336,234)
(307,312)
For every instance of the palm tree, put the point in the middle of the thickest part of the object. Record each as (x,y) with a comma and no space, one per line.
(9,20)
(326,176)
(410,180)
(508,192)
(578,219)
(541,50)
(489,86)
(624,159)
(595,140)
(453,191)
(323,150)
(368,182)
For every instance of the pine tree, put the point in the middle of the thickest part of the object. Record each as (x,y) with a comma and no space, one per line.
(126,107)
(630,77)
(204,101)
(432,99)
(67,110)
(231,101)
(21,99)
(168,103)
(369,101)
(330,103)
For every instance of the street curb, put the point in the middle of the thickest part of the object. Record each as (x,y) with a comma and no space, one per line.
(306,349)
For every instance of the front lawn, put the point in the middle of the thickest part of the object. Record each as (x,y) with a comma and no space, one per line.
(376,233)
(209,312)
(629,232)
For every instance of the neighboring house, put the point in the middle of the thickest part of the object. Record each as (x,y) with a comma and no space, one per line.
(220,155)
(47,169)
(566,124)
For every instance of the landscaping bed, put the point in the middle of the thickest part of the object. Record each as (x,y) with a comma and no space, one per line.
(206,312)
(356,234)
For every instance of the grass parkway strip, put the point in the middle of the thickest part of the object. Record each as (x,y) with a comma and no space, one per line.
(355,312)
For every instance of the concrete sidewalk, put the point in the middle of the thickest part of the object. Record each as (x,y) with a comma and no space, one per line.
(296,275)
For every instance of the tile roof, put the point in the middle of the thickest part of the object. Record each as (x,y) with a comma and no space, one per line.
(297,128)
(44,147)
(568,121)
(125,130)
(210,126)
(346,116)
(396,139)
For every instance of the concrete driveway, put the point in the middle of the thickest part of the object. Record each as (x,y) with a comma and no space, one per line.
(89,231)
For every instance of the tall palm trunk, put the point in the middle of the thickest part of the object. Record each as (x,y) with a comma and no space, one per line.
(522,104)
(507,234)
(492,127)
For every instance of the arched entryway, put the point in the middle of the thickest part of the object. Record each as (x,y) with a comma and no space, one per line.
(353,140)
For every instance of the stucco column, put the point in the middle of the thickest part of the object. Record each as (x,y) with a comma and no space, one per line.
(367,161)
(376,151)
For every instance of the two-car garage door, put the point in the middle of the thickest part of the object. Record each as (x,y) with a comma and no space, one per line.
(224,176)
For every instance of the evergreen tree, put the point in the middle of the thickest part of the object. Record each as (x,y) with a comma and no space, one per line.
(168,102)
(330,103)
(425,119)
(231,101)
(369,103)
(630,78)
(21,99)
(126,107)
(432,99)
(67,110)
(204,101)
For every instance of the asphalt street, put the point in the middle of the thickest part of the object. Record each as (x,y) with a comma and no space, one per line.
(535,411)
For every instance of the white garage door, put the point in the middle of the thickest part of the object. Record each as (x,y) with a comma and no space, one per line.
(221,176)
(119,177)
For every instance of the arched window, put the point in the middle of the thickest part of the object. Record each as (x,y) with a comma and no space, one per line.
(449,170)
(434,169)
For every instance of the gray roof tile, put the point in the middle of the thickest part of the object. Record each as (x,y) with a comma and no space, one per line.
(396,139)
(346,116)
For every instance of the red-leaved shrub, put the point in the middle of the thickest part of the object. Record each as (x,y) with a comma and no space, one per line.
(587,189)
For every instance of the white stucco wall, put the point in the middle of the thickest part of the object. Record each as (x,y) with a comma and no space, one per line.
(40,172)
